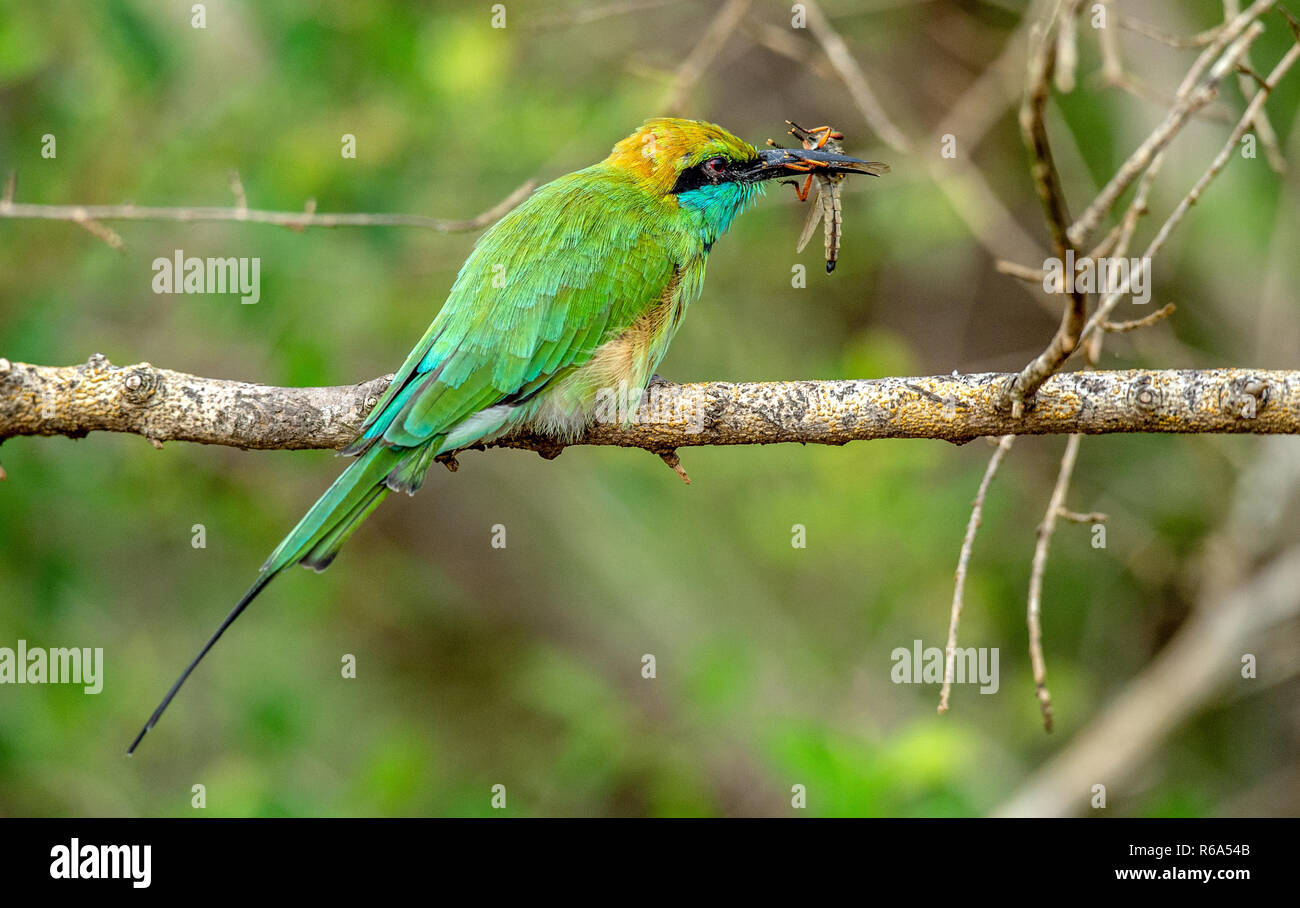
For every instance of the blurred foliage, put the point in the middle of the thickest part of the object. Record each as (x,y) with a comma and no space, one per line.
(522,665)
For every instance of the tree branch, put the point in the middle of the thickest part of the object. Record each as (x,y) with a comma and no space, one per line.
(1047,182)
(89,216)
(163,405)
(1193,94)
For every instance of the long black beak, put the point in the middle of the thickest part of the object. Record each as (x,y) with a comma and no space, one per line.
(790,162)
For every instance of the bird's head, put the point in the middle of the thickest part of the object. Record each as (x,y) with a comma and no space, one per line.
(702,168)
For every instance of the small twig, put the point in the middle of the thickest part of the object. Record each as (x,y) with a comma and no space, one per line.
(300,219)
(782,41)
(1110,241)
(1034,613)
(1130,84)
(1119,237)
(1112,65)
(1076,517)
(1292,22)
(1023,272)
(308,209)
(1109,302)
(851,74)
(1122,327)
(237,188)
(1187,102)
(1034,132)
(1112,75)
(1067,46)
(99,231)
(1263,126)
(675,463)
(1246,70)
(588,14)
(704,52)
(1150,31)
(963,563)
(981,105)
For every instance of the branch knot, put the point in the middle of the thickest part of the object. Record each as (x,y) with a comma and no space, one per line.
(140,384)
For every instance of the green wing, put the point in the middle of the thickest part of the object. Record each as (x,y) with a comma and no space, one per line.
(570,269)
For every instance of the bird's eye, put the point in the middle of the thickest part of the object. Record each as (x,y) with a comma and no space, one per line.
(715,167)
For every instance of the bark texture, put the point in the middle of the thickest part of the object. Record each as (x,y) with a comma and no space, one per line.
(163,405)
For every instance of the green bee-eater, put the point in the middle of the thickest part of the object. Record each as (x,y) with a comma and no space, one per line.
(580,288)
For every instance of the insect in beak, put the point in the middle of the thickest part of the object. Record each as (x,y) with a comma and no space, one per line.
(822,159)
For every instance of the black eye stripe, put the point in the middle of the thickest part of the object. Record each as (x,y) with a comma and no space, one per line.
(702,175)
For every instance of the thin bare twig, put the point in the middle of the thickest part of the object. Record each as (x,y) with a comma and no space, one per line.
(1022,272)
(586,14)
(1112,72)
(1130,84)
(1123,327)
(783,41)
(1200,39)
(1112,64)
(1190,98)
(969,119)
(704,52)
(837,51)
(1034,131)
(237,189)
(102,232)
(1041,548)
(963,563)
(1112,299)
(1089,517)
(293,219)
(1263,125)
(1067,46)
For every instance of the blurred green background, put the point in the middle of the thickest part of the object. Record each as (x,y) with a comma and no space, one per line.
(522,666)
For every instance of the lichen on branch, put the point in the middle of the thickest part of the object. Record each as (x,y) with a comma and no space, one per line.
(164,405)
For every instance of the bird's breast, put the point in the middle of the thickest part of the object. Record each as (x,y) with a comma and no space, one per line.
(620,368)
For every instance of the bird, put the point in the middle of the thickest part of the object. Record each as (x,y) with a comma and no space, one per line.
(580,288)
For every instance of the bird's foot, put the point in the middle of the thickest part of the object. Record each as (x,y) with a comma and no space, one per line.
(656,384)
